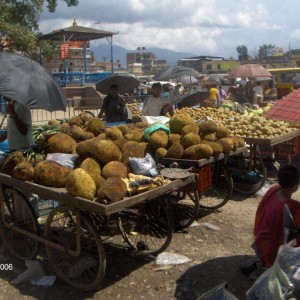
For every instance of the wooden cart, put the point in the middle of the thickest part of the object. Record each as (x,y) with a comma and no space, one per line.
(215,183)
(71,229)
(249,171)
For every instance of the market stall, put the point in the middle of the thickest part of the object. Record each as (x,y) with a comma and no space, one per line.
(71,228)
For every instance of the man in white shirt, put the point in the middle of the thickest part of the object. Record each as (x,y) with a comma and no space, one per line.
(258,92)
(156,105)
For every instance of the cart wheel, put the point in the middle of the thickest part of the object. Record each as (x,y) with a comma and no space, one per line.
(84,270)
(17,211)
(248,175)
(184,209)
(218,194)
(147,227)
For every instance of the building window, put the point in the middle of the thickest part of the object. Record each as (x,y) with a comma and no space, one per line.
(209,67)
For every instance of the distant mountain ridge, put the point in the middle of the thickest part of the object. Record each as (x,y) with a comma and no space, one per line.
(102,52)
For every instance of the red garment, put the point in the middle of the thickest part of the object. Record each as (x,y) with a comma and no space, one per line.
(268,226)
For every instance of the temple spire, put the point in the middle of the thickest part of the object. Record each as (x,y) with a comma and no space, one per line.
(74,22)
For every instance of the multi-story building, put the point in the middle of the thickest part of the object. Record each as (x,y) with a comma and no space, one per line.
(147,59)
(208,64)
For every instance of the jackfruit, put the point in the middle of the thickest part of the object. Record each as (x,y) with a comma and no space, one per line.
(92,167)
(222,132)
(174,138)
(197,152)
(113,133)
(79,183)
(189,139)
(95,125)
(61,143)
(114,169)
(158,139)
(11,162)
(75,121)
(226,143)
(217,148)
(23,171)
(160,152)
(112,190)
(190,128)
(178,121)
(208,126)
(175,151)
(50,173)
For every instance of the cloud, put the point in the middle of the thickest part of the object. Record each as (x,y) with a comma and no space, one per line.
(204,27)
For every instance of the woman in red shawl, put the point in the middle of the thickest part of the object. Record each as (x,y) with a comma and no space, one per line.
(268,226)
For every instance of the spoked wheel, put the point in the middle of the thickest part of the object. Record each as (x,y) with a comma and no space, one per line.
(248,173)
(183,209)
(218,194)
(17,211)
(81,260)
(147,227)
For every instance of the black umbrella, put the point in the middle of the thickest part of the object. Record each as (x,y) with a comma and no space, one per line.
(30,84)
(174,72)
(125,83)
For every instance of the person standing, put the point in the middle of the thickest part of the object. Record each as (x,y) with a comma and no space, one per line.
(70,71)
(156,105)
(19,126)
(114,107)
(221,96)
(258,92)
(213,95)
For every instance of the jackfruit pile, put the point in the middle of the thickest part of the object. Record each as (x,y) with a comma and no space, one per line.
(246,126)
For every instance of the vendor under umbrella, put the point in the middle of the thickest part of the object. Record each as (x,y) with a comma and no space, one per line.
(114,107)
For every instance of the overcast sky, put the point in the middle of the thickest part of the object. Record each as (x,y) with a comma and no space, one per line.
(203,27)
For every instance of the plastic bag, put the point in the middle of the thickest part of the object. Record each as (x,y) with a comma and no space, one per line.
(287,264)
(67,160)
(153,128)
(143,166)
(167,258)
(152,119)
(218,293)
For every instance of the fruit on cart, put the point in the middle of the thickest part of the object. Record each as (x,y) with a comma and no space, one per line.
(135,135)
(189,139)
(54,122)
(207,126)
(80,183)
(120,142)
(227,144)
(222,132)
(11,162)
(124,128)
(92,167)
(85,117)
(50,173)
(132,149)
(197,152)
(208,136)
(174,138)
(61,143)
(65,127)
(76,132)
(75,120)
(159,139)
(113,133)
(178,121)
(160,152)
(114,169)
(216,147)
(103,151)
(86,135)
(175,151)
(112,190)
(95,125)
(23,171)
(190,128)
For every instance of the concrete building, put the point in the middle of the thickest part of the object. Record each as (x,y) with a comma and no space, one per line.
(208,64)
(147,59)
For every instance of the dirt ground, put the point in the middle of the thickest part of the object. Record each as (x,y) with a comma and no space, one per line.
(215,258)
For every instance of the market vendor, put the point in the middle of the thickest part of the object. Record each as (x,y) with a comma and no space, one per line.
(19,126)
(268,227)
(114,107)
(156,105)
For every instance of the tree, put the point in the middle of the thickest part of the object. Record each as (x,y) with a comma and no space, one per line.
(19,23)
(242,51)
(264,50)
